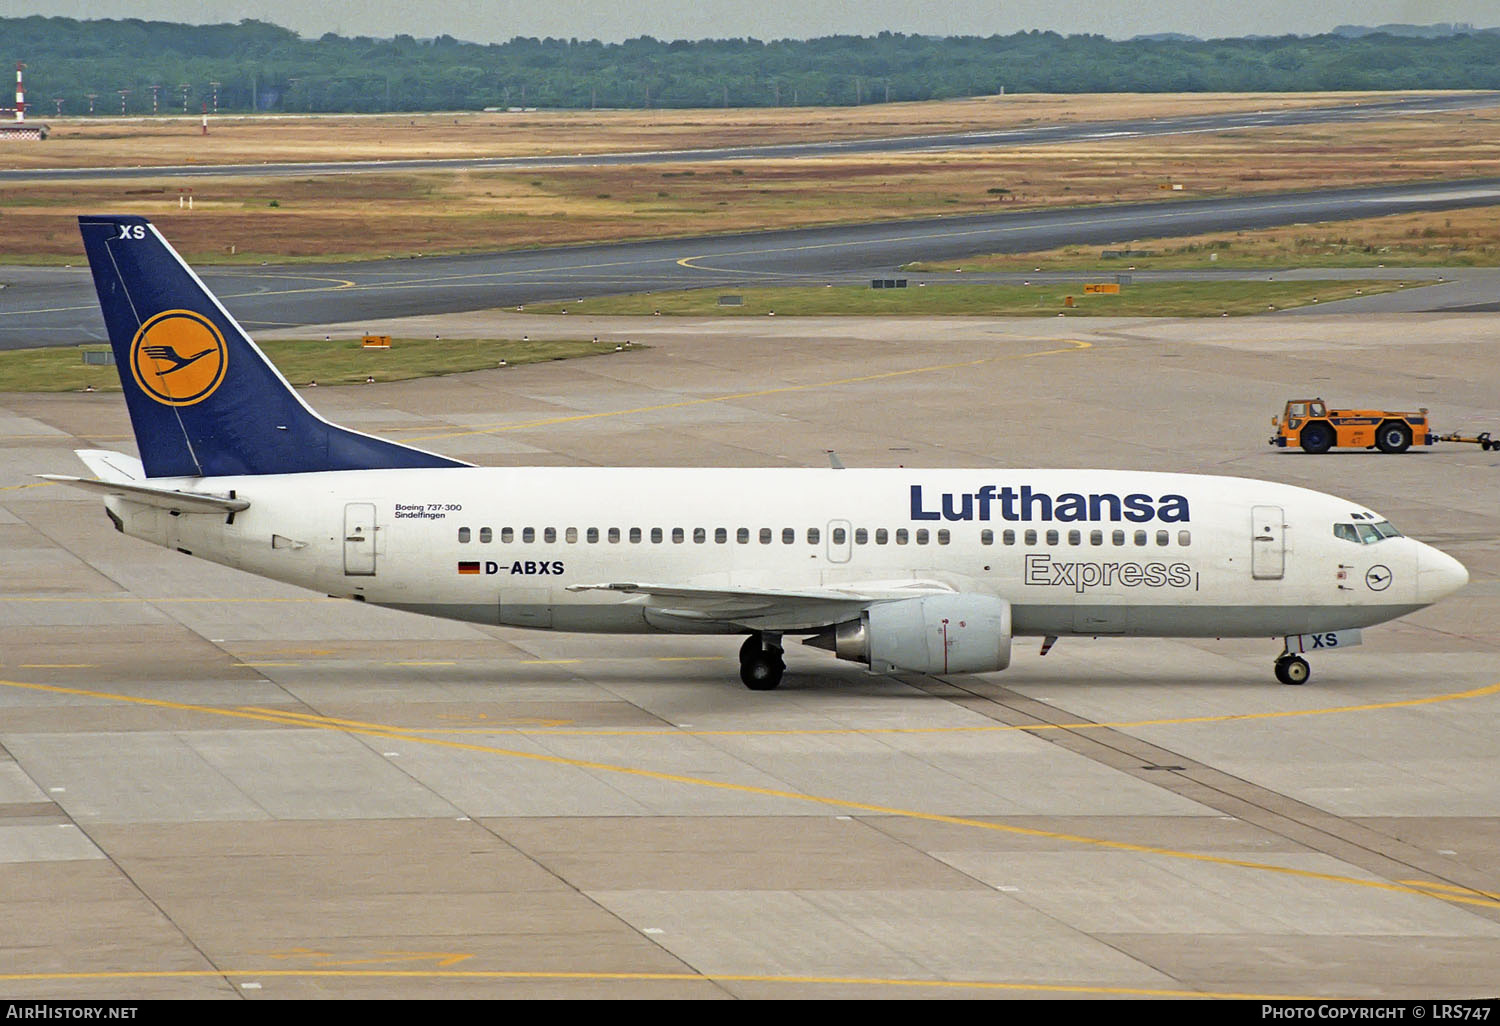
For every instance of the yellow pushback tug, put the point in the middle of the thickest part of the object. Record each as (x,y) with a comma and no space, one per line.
(1309,423)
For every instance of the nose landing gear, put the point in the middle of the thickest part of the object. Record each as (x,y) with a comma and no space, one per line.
(761,665)
(1292,669)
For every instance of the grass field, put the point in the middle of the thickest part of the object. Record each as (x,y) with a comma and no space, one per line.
(250,220)
(1148,299)
(337,362)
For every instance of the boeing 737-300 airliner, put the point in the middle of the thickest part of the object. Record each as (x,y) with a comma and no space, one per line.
(928,571)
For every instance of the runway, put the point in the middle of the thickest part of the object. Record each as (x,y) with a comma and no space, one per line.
(216,787)
(1031,135)
(56,306)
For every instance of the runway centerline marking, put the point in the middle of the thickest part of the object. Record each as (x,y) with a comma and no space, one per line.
(334,285)
(392,733)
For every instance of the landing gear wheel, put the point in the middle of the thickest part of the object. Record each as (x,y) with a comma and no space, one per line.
(1317,438)
(1292,669)
(761,667)
(762,671)
(1393,438)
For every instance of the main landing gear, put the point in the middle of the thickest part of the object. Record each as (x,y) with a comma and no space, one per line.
(761,665)
(1292,669)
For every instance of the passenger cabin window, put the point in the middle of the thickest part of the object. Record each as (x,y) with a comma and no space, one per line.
(813,536)
(1051,537)
(943,536)
(765,536)
(571,536)
(507,535)
(839,535)
(1075,537)
(699,536)
(463,535)
(900,536)
(742,536)
(635,536)
(1184,538)
(549,535)
(986,537)
(788,535)
(486,535)
(1008,537)
(1162,538)
(677,536)
(614,536)
(592,536)
(881,537)
(721,535)
(1031,537)
(861,536)
(528,534)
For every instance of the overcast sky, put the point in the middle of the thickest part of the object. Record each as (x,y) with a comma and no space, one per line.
(488,21)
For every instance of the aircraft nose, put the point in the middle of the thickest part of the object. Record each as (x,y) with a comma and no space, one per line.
(1438,575)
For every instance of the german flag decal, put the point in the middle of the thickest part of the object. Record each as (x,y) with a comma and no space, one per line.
(468,568)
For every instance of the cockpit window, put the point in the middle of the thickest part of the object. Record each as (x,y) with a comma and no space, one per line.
(1366,533)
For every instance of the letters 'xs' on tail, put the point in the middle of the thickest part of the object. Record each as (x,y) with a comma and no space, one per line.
(204,401)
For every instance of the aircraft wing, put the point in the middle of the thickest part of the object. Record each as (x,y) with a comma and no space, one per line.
(686,606)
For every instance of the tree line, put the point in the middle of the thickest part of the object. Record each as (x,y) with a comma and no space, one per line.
(255,66)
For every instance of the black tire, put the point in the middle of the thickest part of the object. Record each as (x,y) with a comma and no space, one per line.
(1393,437)
(1292,670)
(1317,437)
(762,671)
(761,668)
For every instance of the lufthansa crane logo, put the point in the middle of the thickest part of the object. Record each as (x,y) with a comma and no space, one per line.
(1378,577)
(178,358)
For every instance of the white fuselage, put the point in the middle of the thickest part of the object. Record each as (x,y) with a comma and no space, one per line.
(1073,551)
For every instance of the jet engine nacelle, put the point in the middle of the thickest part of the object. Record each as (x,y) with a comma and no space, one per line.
(931,634)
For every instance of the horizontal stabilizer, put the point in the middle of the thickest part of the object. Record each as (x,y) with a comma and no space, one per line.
(163,498)
(111,466)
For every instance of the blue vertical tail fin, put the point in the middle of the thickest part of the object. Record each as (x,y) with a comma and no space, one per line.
(203,399)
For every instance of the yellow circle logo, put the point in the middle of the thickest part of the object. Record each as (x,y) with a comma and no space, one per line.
(178,358)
